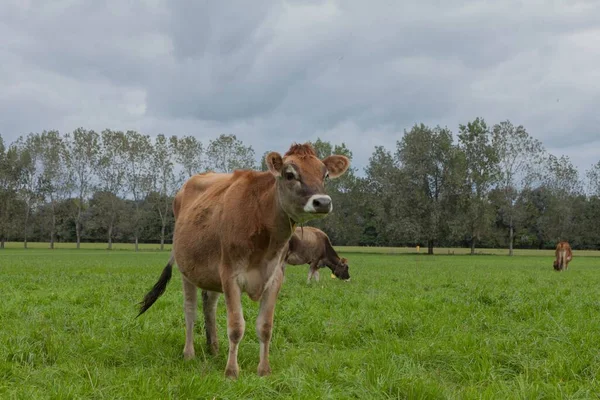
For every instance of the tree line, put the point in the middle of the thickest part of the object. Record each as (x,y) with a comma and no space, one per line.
(485,186)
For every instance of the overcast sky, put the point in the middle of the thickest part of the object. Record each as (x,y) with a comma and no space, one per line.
(274,72)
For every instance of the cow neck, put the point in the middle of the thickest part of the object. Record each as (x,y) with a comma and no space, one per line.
(330,253)
(283,225)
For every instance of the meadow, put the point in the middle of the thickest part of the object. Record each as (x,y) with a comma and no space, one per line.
(407,325)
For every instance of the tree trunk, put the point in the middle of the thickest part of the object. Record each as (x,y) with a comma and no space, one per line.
(137,221)
(110,230)
(111,223)
(78,222)
(511,237)
(53,228)
(26,226)
(430,246)
(162,235)
(473,245)
(78,233)
(4,226)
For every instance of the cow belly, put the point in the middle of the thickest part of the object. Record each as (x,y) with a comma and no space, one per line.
(199,263)
(203,279)
(295,259)
(254,281)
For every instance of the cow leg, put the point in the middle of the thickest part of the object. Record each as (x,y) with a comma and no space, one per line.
(313,271)
(315,267)
(190,303)
(235,324)
(209,307)
(264,322)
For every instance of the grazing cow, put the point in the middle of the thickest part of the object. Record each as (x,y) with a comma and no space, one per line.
(563,255)
(312,246)
(231,234)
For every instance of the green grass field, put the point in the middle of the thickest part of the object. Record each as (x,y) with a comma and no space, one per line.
(143,247)
(405,326)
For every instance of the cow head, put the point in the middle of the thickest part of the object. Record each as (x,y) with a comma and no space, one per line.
(341,270)
(555,265)
(301,181)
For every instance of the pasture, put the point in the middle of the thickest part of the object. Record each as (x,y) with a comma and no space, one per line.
(405,326)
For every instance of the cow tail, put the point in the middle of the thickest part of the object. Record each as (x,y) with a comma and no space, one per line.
(159,287)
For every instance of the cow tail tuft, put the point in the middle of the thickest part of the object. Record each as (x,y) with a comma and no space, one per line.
(159,287)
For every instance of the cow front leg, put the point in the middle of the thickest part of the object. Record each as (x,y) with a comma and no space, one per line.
(313,271)
(209,307)
(264,322)
(190,303)
(235,325)
(283,272)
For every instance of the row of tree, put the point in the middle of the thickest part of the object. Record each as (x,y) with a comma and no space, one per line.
(494,186)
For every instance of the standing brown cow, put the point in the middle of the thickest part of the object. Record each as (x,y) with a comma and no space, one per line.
(231,233)
(563,255)
(312,246)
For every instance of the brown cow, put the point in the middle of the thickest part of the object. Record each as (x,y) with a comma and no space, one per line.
(231,233)
(312,246)
(563,255)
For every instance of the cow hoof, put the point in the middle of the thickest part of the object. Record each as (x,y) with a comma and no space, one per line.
(189,355)
(231,373)
(264,371)
(213,349)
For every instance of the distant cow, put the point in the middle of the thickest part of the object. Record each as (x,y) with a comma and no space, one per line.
(312,246)
(231,235)
(563,255)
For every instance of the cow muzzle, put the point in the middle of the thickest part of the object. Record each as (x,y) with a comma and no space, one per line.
(318,204)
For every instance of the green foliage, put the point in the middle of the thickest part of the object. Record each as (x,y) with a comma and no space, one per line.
(519,157)
(83,152)
(227,153)
(188,153)
(11,170)
(489,187)
(428,159)
(593,176)
(481,162)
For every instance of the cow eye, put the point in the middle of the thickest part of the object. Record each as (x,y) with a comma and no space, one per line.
(290,176)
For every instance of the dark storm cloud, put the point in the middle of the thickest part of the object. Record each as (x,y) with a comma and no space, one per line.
(272,72)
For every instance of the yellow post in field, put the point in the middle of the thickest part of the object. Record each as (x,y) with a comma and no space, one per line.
(418,252)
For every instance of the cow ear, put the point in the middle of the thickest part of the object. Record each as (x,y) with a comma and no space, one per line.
(345,260)
(336,165)
(274,163)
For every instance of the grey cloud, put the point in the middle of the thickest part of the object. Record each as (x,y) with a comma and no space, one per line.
(277,72)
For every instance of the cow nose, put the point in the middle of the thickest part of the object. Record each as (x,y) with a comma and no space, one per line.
(322,204)
(319,203)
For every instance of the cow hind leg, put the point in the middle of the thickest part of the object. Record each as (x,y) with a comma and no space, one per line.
(563,260)
(264,322)
(313,272)
(235,325)
(190,303)
(209,307)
